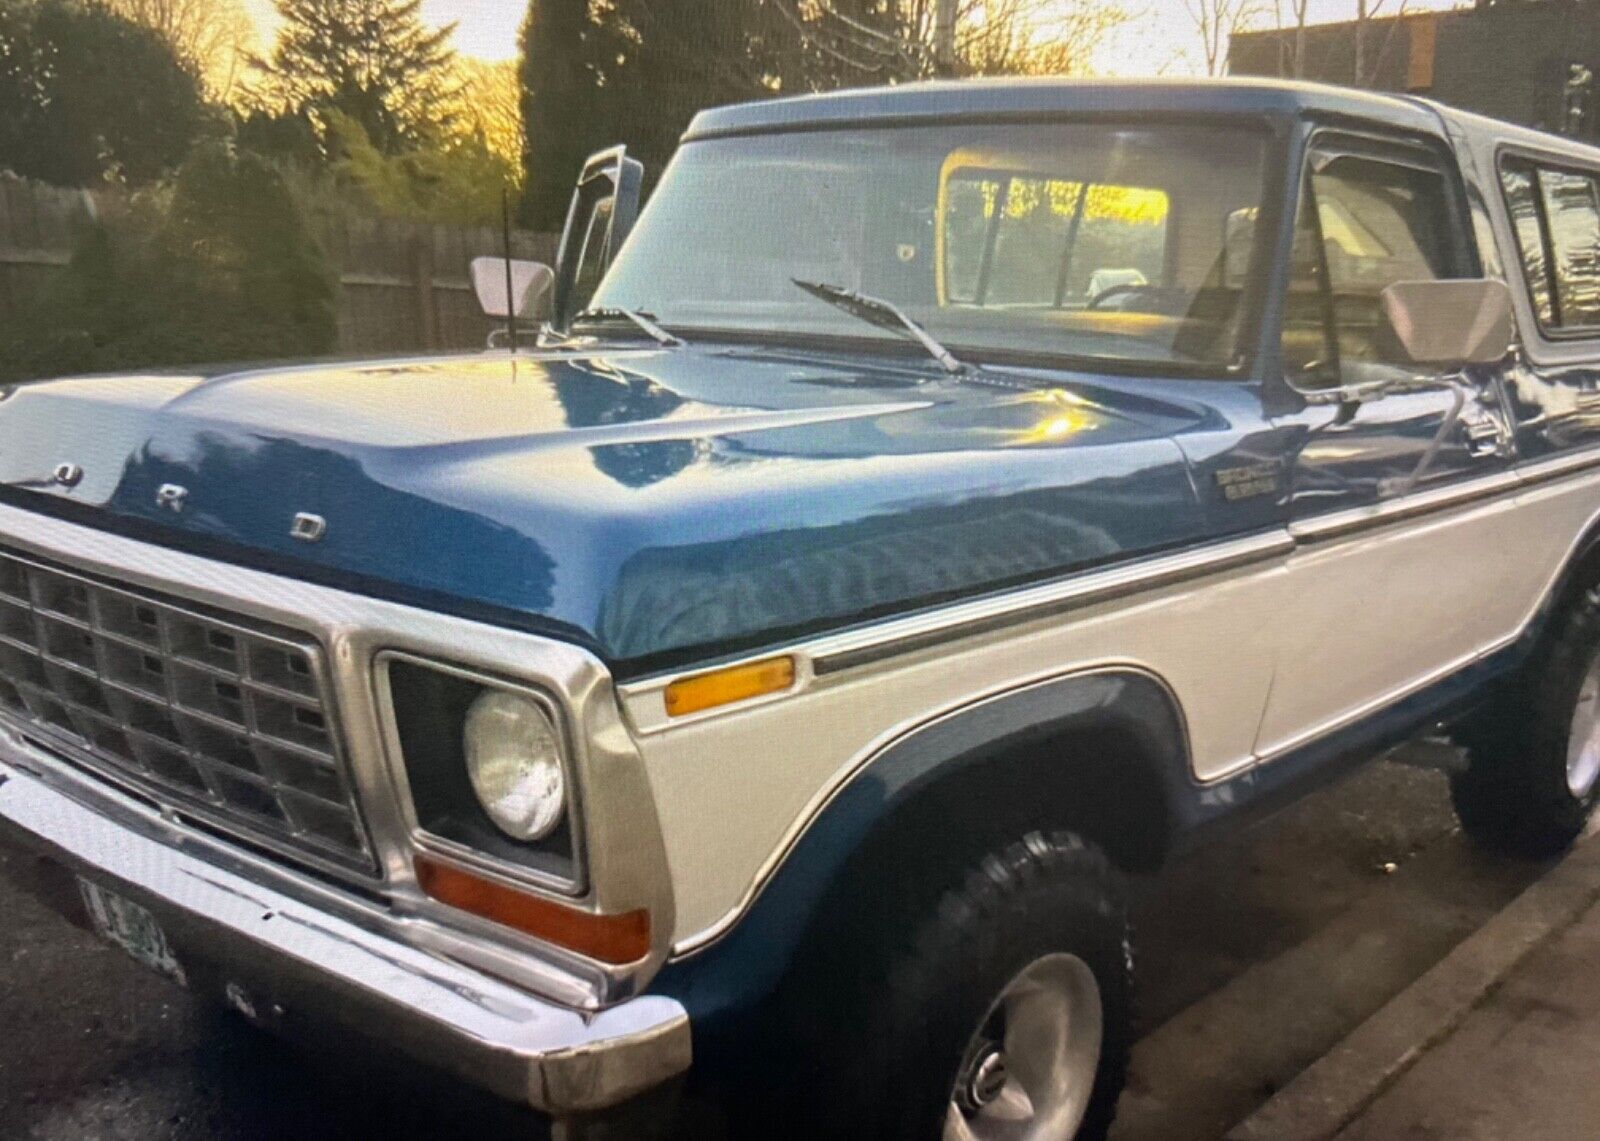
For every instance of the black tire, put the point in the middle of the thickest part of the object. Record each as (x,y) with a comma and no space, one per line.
(1043,896)
(1514,796)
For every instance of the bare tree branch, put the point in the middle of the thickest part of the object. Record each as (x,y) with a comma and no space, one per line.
(1217,21)
(216,36)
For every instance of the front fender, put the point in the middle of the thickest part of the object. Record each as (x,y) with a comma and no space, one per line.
(744,966)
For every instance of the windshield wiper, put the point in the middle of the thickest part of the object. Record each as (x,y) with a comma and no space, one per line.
(883,314)
(643,320)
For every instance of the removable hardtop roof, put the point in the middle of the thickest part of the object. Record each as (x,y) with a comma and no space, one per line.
(1043,98)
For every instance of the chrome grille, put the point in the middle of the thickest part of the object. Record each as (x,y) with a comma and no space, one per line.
(220,721)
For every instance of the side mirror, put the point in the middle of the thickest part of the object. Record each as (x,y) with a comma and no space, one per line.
(604,207)
(1445,324)
(529,282)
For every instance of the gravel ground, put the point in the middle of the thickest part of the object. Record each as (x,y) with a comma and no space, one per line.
(97,1050)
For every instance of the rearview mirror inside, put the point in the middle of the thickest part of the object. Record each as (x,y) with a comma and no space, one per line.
(529,282)
(1445,324)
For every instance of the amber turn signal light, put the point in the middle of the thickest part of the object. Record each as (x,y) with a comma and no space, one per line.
(724,687)
(614,939)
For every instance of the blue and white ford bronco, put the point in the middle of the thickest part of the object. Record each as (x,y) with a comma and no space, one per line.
(936,505)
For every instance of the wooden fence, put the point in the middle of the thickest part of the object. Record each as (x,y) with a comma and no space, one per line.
(404,286)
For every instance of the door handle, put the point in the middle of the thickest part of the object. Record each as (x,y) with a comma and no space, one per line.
(1486,437)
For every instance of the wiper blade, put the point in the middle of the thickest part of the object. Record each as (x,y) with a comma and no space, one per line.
(883,314)
(643,320)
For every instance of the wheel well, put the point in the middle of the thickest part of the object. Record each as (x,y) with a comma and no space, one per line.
(1583,571)
(1095,780)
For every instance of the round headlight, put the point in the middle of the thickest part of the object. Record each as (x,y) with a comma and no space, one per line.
(514,764)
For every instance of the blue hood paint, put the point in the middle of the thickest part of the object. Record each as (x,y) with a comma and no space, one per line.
(660,506)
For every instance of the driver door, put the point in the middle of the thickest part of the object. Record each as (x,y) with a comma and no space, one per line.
(1382,605)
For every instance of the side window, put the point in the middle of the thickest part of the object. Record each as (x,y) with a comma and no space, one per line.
(1556,216)
(1521,187)
(1031,240)
(1364,224)
(1574,217)
(595,257)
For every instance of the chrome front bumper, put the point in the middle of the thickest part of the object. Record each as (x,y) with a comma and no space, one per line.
(291,963)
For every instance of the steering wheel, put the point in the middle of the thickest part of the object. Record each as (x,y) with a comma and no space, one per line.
(1099,299)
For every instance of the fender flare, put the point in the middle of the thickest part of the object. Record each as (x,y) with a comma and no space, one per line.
(744,965)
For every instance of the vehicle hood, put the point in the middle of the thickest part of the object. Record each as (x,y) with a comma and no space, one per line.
(657,505)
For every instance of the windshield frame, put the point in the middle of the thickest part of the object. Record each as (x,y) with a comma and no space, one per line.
(1275,129)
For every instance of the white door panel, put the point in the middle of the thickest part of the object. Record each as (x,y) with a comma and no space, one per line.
(1381,612)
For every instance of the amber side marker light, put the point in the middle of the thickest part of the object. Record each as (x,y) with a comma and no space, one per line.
(614,939)
(724,687)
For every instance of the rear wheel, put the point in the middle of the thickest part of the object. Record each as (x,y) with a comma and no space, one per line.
(1533,776)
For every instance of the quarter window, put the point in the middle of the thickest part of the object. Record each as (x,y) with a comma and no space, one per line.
(1556,216)
(1569,203)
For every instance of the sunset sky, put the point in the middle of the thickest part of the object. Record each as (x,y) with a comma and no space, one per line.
(1159,38)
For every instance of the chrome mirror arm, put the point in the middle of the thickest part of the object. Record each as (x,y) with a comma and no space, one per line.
(1461,388)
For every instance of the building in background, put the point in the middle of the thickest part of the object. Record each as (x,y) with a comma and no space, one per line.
(1529,61)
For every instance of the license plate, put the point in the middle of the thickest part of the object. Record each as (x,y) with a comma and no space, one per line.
(125,924)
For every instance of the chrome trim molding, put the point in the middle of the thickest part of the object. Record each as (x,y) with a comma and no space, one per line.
(848,650)
(556,1059)
(1559,466)
(1339,524)
(627,867)
(832,654)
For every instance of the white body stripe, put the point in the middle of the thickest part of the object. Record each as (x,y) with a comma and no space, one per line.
(1261,658)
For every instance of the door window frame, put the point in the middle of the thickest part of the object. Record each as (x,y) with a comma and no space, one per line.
(1426,152)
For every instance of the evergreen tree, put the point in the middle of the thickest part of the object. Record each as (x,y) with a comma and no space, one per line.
(373,61)
(634,72)
(560,93)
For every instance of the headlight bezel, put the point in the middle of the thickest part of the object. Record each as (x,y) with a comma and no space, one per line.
(431,785)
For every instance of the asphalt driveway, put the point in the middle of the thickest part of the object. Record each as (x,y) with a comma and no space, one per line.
(97,1050)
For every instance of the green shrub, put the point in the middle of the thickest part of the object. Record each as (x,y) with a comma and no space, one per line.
(87,96)
(216,266)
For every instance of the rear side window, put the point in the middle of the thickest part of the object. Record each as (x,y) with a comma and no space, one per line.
(1556,215)
(1015,240)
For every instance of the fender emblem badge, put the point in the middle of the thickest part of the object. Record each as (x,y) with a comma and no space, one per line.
(68,475)
(309,528)
(172,497)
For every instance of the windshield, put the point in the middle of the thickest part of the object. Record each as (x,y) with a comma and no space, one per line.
(1080,239)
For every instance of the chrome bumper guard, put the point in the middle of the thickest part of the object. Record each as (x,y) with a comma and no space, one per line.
(288,958)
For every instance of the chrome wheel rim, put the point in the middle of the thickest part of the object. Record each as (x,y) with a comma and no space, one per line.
(1583,744)
(1029,1071)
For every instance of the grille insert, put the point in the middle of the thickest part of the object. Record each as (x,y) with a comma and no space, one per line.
(208,715)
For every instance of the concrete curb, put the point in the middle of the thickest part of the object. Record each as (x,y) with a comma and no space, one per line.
(1334,1090)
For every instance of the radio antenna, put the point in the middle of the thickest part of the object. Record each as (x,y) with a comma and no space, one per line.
(511,302)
